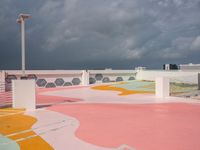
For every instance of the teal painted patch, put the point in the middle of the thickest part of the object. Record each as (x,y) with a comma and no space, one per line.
(138,86)
(8,144)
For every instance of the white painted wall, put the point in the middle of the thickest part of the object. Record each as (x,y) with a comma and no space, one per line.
(176,76)
(24,94)
(68,75)
(112,71)
(113,74)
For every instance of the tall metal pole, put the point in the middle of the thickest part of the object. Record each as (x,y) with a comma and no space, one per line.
(23,46)
(21,20)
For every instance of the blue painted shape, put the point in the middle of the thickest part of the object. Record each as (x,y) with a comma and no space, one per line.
(137,86)
(8,144)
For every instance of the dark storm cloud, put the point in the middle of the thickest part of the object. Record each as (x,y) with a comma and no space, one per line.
(76,34)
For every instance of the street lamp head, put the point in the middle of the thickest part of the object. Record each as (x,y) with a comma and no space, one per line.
(22,17)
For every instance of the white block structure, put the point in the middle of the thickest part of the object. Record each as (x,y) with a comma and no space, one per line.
(85,77)
(162,87)
(24,95)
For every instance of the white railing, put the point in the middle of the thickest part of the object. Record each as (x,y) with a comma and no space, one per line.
(62,78)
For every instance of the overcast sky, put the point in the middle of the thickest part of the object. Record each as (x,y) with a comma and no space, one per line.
(118,34)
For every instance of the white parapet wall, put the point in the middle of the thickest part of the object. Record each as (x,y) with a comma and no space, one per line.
(62,78)
(24,95)
(108,75)
(174,76)
(162,87)
(48,78)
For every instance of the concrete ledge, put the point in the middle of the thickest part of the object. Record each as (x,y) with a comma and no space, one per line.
(162,87)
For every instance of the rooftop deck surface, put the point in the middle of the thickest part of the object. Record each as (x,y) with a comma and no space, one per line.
(105,117)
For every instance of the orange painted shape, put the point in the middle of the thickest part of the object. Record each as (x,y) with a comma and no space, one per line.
(19,122)
(121,90)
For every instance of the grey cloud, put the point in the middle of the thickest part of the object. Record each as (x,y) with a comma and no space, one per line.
(98,33)
(196,44)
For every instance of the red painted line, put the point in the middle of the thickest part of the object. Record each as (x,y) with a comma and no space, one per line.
(58,88)
(45,99)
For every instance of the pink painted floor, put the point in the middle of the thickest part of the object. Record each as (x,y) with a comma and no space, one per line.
(141,121)
(143,127)
(103,120)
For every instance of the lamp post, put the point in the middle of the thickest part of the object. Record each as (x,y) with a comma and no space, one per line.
(21,20)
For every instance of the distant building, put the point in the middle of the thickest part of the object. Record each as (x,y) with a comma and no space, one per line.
(190,66)
(170,67)
(108,68)
(140,68)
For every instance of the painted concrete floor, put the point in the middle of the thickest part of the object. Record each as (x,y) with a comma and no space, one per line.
(90,118)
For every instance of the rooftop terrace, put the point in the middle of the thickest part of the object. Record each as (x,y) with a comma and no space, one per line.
(123,115)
